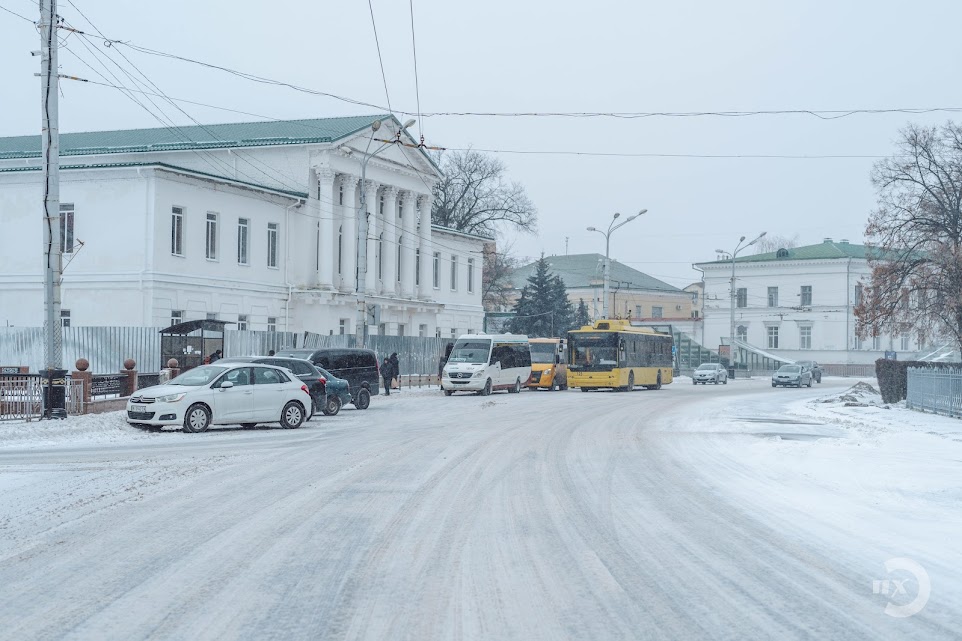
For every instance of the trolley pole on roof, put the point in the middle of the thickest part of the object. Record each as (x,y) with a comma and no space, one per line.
(52,253)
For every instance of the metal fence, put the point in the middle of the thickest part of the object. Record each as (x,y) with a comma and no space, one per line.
(21,397)
(935,390)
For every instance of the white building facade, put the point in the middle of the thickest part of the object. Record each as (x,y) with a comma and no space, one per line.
(797,304)
(259,224)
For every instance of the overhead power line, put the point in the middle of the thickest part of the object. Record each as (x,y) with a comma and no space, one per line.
(14,13)
(380,59)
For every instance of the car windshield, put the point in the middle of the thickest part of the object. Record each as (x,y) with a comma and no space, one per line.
(707,366)
(199,376)
(789,369)
(543,352)
(470,351)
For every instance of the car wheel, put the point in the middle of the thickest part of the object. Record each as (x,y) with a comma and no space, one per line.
(694,382)
(292,417)
(448,392)
(809,382)
(517,387)
(197,418)
(774,385)
(248,426)
(332,406)
(725,382)
(583,389)
(363,399)
(487,388)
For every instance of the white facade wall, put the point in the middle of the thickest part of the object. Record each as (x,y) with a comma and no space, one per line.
(830,316)
(126,273)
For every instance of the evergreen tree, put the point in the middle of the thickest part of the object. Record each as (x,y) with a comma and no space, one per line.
(582,317)
(543,310)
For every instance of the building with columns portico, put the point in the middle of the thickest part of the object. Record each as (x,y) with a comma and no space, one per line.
(259,224)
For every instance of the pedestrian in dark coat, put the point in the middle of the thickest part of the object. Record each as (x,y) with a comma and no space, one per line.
(387,373)
(216,356)
(444,359)
(396,368)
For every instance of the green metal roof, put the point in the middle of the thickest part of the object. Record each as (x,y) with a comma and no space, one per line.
(240,134)
(822,251)
(579,271)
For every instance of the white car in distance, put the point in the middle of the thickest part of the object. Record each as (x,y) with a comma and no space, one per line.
(229,394)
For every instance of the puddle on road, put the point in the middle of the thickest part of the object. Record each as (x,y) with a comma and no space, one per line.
(788,435)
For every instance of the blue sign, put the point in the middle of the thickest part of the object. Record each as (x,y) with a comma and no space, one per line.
(890,356)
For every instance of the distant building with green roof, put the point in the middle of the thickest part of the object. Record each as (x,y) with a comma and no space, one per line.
(796,303)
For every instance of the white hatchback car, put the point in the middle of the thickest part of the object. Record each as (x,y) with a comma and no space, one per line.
(229,394)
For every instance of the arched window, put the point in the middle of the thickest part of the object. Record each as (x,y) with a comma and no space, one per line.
(340,246)
(781,253)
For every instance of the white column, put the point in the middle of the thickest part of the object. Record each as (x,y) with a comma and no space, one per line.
(349,235)
(424,244)
(372,202)
(408,243)
(389,246)
(328,249)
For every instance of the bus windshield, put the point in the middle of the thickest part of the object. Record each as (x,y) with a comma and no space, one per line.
(543,352)
(595,351)
(470,351)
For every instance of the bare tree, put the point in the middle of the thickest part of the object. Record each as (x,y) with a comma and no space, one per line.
(774,243)
(496,268)
(475,196)
(915,238)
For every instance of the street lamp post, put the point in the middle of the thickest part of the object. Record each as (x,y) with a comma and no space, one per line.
(364,224)
(731,328)
(607,234)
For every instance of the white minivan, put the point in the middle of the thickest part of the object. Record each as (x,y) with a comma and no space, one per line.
(482,363)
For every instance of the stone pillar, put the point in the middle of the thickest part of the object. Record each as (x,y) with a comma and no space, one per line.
(349,234)
(389,246)
(327,252)
(81,374)
(371,233)
(426,291)
(130,384)
(408,243)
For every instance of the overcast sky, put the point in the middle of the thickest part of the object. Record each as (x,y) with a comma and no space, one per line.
(521,56)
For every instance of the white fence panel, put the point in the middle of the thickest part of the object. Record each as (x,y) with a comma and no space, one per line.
(937,390)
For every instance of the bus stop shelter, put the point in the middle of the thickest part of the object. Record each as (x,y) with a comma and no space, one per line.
(191,342)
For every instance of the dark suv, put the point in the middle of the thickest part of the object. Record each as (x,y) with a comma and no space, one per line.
(358,366)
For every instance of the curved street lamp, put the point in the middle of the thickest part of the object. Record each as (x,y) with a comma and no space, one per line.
(739,247)
(607,234)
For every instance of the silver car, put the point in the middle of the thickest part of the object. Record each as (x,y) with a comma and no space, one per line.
(710,373)
(792,376)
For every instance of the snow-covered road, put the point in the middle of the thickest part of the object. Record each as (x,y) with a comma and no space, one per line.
(688,512)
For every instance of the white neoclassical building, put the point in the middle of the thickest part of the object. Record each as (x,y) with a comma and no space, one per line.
(259,224)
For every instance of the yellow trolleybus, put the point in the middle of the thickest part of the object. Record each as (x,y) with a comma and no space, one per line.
(613,354)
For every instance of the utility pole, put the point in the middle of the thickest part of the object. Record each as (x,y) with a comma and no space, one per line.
(566,245)
(54,405)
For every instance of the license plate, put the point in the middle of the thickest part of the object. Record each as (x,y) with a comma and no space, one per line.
(138,408)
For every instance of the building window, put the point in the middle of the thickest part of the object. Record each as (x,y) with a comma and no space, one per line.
(858,342)
(806,296)
(741,297)
(382,328)
(741,333)
(437,270)
(694,313)
(858,294)
(211,316)
(876,343)
(400,329)
(454,332)
(65,318)
(340,247)
(243,240)
(454,273)
(805,338)
(66,228)
(176,316)
(242,322)
(272,244)
(773,297)
(422,330)
(905,342)
(470,277)
(342,327)
(211,238)
(657,312)
(773,338)
(417,266)
(637,311)
(177,231)
(271,324)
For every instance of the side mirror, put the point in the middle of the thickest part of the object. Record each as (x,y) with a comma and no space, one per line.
(227,385)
